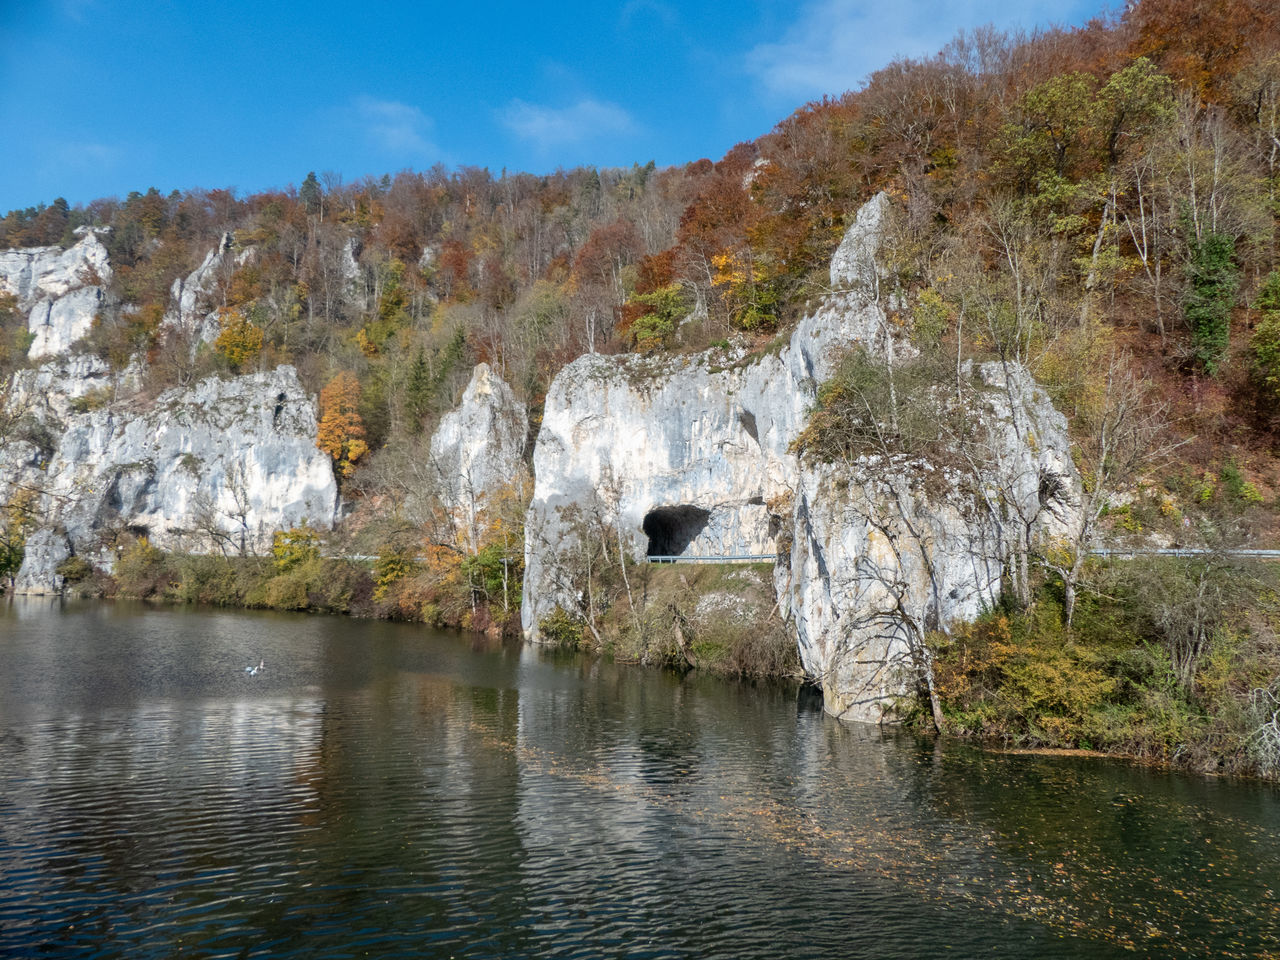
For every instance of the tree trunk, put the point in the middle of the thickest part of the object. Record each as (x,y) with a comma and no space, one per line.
(935,705)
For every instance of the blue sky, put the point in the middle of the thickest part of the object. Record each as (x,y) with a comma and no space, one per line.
(100,97)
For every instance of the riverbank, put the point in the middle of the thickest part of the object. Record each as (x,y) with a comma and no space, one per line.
(1187,676)
(720,618)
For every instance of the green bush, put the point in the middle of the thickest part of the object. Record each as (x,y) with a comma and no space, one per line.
(295,547)
(1268,299)
(288,591)
(1238,488)
(391,567)
(664,309)
(1115,682)
(75,569)
(1264,346)
(561,629)
(1211,294)
(210,579)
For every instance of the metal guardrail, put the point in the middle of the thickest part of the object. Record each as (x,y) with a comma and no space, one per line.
(1123,554)
(734,558)
(1118,553)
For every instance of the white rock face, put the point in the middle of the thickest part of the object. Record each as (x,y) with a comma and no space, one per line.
(191,311)
(478,448)
(350,260)
(853,265)
(886,548)
(50,392)
(691,456)
(44,552)
(57,324)
(60,290)
(47,273)
(19,269)
(223,464)
(698,446)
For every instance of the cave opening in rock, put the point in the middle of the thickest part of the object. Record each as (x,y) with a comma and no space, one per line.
(671,529)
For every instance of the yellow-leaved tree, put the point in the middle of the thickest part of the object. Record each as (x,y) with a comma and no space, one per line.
(239,339)
(341,431)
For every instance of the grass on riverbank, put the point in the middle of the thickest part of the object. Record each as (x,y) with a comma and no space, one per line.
(1187,672)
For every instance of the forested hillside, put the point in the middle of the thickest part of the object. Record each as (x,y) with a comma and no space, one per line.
(1122,175)
(1099,204)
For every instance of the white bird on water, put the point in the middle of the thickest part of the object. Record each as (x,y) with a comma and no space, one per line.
(254,671)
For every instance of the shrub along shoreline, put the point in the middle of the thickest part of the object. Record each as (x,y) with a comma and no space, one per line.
(1170,661)
(716,618)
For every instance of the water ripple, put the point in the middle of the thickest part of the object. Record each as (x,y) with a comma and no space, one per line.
(386,792)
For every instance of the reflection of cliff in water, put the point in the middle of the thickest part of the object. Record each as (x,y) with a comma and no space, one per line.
(385,785)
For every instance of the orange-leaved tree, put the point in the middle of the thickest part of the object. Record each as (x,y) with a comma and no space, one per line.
(341,431)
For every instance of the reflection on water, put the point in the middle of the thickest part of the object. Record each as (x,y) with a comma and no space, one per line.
(385,790)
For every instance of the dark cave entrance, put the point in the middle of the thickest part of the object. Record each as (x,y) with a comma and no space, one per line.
(671,529)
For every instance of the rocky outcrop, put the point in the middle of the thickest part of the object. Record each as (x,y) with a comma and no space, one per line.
(693,456)
(54,391)
(888,548)
(683,456)
(191,311)
(220,465)
(478,448)
(60,291)
(44,553)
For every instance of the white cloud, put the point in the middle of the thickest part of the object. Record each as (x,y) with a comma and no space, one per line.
(79,11)
(834,44)
(398,129)
(655,9)
(548,127)
(84,155)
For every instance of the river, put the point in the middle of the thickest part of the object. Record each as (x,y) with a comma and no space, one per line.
(387,790)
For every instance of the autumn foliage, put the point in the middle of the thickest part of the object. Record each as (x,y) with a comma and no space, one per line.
(341,432)
(239,341)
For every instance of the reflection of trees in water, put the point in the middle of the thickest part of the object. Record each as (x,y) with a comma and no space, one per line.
(423,789)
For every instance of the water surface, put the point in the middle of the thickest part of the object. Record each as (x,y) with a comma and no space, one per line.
(387,790)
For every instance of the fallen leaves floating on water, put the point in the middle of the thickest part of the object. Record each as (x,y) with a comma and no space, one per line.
(1091,893)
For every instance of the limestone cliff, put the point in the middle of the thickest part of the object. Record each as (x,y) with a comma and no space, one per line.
(192,309)
(221,464)
(59,290)
(684,455)
(478,447)
(693,456)
(887,548)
